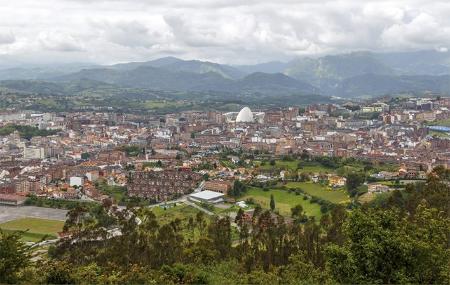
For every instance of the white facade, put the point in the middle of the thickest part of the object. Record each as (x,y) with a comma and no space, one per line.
(76,181)
(33,153)
(92,176)
(245,116)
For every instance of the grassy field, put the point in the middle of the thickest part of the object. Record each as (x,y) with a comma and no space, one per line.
(284,201)
(439,134)
(227,163)
(316,169)
(36,228)
(184,212)
(116,192)
(180,211)
(366,198)
(314,189)
(154,104)
(441,123)
(293,165)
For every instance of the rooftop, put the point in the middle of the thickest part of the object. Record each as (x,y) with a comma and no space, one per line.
(207,195)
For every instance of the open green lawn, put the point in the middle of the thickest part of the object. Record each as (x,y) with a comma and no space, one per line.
(280,164)
(180,211)
(154,104)
(284,201)
(37,228)
(293,165)
(116,192)
(184,212)
(439,134)
(314,189)
(441,123)
(316,169)
(366,197)
(227,163)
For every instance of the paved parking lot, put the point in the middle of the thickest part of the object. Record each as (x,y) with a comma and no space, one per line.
(9,213)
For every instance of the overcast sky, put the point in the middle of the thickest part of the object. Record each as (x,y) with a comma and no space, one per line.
(226,31)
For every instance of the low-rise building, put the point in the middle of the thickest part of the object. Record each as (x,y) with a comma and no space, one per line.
(162,185)
(218,186)
(11,199)
(378,188)
(207,196)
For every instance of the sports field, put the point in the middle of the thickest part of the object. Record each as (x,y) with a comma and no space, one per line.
(34,229)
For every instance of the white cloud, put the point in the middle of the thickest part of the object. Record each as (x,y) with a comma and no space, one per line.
(6,38)
(234,31)
(59,42)
(422,31)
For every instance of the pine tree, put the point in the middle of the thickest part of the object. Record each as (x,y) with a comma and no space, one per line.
(14,256)
(272,202)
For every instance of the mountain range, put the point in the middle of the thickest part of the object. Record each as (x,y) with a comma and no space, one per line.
(356,74)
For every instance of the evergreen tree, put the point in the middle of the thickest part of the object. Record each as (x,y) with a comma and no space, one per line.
(14,256)
(272,203)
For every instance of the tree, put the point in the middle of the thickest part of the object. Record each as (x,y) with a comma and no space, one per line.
(297,211)
(304,177)
(238,189)
(200,220)
(272,203)
(59,273)
(382,246)
(304,155)
(302,271)
(239,217)
(14,256)
(219,231)
(354,180)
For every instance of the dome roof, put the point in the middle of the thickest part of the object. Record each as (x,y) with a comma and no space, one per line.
(245,115)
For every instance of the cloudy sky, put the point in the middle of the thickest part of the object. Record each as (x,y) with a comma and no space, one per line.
(227,31)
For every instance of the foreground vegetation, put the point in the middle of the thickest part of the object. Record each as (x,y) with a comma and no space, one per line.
(402,238)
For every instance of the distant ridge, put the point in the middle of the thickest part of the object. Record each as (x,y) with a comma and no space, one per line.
(348,75)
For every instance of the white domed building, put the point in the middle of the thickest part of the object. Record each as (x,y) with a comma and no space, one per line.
(245,116)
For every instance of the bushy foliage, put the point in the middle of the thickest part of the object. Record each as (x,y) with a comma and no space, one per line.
(26,132)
